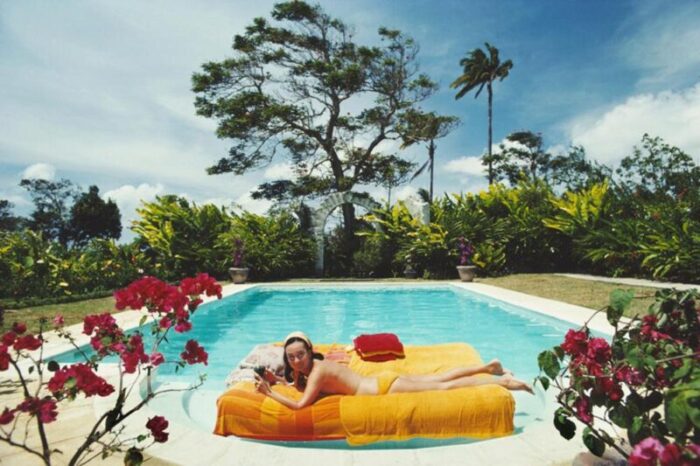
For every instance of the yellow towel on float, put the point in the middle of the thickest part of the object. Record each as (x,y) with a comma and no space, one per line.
(477,412)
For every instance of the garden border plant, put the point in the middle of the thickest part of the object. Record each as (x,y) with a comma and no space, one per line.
(169,307)
(646,381)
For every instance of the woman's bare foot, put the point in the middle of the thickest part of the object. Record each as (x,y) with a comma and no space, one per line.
(496,368)
(510,383)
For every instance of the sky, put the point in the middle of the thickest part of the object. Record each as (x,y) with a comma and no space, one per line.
(100,93)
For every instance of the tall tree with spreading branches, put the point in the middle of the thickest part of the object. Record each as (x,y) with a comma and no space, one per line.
(479,70)
(299,88)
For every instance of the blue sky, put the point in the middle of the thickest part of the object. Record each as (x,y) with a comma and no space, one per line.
(99,92)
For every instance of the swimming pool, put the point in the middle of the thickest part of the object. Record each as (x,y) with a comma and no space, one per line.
(419,315)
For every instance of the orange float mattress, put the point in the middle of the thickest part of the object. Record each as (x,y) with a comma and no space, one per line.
(476,412)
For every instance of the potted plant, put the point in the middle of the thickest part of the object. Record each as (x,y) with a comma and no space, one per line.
(409,271)
(466,270)
(239,273)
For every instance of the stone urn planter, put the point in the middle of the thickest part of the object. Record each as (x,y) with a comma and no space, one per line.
(410,272)
(239,275)
(466,272)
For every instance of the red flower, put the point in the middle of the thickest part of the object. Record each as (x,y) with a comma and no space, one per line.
(194,353)
(9,338)
(44,409)
(583,410)
(645,452)
(29,342)
(134,354)
(629,375)
(157,426)
(157,359)
(599,350)
(152,293)
(58,321)
(575,342)
(201,284)
(4,358)
(6,417)
(183,326)
(19,328)
(165,323)
(107,336)
(85,380)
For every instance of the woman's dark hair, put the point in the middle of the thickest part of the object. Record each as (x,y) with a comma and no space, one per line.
(288,369)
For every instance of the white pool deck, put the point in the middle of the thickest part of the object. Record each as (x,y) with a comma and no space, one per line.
(537,444)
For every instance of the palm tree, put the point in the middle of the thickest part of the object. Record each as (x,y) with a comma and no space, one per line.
(479,71)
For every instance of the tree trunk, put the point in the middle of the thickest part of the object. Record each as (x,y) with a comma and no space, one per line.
(490,132)
(431,155)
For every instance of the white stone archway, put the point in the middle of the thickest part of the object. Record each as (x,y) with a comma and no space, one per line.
(320,215)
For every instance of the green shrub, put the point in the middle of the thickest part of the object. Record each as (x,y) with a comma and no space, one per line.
(275,245)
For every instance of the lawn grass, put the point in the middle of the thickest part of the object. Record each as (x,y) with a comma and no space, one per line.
(586,293)
(72,313)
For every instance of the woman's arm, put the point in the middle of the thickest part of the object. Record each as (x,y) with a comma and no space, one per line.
(313,389)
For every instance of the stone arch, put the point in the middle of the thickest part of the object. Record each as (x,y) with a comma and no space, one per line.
(320,215)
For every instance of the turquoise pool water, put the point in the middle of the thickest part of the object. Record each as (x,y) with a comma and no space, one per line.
(228,329)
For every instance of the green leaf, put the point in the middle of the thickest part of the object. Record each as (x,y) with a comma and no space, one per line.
(676,414)
(564,425)
(638,431)
(620,416)
(635,357)
(653,400)
(683,370)
(549,363)
(544,381)
(594,444)
(52,366)
(619,301)
(143,320)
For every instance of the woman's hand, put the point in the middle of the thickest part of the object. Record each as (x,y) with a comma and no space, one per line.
(269,377)
(262,386)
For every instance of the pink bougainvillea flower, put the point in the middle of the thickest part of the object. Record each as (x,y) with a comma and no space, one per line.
(8,339)
(583,410)
(575,342)
(58,321)
(28,342)
(194,353)
(43,408)
(157,426)
(157,359)
(86,381)
(4,358)
(7,416)
(134,354)
(19,328)
(599,350)
(646,452)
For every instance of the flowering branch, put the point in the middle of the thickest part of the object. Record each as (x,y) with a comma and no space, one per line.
(649,363)
(171,307)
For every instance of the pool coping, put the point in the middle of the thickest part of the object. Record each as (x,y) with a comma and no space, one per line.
(537,444)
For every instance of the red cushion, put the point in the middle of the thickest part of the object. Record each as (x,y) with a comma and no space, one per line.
(379,347)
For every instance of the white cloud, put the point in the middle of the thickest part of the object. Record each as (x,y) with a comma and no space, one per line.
(404,192)
(128,198)
(279,171)
(664,43)
(258,206)
(610,136)
(466,165)
(42,171)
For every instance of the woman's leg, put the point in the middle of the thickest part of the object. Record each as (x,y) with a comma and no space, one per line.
(494,368)
(407,384)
